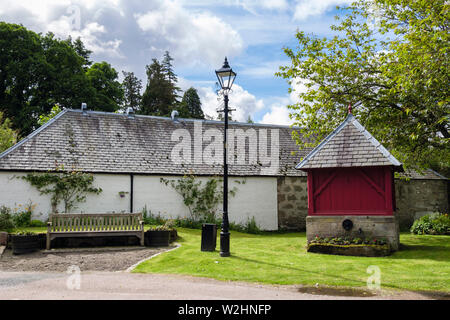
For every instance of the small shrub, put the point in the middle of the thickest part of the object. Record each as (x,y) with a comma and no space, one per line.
(348,241)
(251,226)
(22,219)
(434,224)
(159,228)
(150,218)
(6,219)
(24,233)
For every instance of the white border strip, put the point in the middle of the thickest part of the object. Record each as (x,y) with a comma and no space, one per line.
(151,257)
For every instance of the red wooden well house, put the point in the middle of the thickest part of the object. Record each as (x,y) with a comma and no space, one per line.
(351,186)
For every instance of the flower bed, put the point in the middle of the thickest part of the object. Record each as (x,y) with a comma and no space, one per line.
(350,247)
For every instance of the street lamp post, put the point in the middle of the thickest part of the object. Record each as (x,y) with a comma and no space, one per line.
(226,77)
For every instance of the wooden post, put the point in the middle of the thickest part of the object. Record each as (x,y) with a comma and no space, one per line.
(49,229)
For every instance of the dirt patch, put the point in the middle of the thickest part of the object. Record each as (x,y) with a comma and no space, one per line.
(94,259)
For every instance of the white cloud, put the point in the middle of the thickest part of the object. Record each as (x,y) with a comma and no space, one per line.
(244,103)
(193,37)
(64,18)
(278,114)
(307,8)
(264,69)
(255,5)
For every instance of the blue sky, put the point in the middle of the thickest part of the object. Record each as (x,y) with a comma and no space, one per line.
(198,34)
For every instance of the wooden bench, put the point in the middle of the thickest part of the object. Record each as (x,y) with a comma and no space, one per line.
(65,225)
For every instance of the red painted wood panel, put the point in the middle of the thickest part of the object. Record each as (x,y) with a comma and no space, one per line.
(351,191)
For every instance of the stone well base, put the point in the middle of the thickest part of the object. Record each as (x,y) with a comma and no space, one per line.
(385,227)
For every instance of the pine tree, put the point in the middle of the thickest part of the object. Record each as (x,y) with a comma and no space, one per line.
(168,68)
(191,106)
(132,87)
(159,97)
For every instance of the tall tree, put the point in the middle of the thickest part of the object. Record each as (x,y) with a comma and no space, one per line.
(36,72)
(191,106)
(159,97)
(81,50)
(168,68)
(132,87)
(390,60)
(108,94)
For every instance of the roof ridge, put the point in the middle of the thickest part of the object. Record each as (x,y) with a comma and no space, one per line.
(358,126)
(375,142)
(324,142)
(185,119)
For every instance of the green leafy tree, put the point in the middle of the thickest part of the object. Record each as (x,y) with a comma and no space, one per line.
(36,72)
(390,60)
(81,50)
(159,97)
(191,106)
(22,59)
(53,113)
(8,137)
(108,91)
(132,87)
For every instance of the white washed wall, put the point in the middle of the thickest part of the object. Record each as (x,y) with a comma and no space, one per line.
(15,192)
(257,197)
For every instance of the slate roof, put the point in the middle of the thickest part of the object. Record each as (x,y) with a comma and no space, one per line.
(101,142)
(350,145)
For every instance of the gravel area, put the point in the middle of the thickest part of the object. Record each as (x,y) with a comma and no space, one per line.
(92,259)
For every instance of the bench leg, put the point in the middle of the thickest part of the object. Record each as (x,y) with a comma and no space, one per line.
(48,242)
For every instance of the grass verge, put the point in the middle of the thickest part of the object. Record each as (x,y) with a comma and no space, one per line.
(422,264)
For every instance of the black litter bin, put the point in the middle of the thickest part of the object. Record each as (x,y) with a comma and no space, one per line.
(209,237)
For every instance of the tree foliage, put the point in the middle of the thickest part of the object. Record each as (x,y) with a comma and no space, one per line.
(160,96)
(47,117)
(108,91)
(389,59)
(191,106)
(8,137)
(132,87)
(39,71)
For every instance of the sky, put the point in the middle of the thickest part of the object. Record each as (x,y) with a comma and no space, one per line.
(198,34)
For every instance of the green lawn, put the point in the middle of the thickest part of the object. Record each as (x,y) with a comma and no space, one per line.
(423,264)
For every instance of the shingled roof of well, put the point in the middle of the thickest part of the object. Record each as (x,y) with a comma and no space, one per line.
(350,145)
(101,142)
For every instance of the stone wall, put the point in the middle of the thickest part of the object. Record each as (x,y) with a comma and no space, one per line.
(292,203)
(414,198)
(379,227)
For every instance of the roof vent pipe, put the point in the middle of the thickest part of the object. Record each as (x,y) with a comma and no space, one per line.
(130,112)
(174,116)
(84,107)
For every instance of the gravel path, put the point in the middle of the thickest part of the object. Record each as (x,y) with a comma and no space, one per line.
(98,259)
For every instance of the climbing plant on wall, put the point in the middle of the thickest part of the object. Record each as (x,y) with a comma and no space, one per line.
(71,187)
(202,199)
